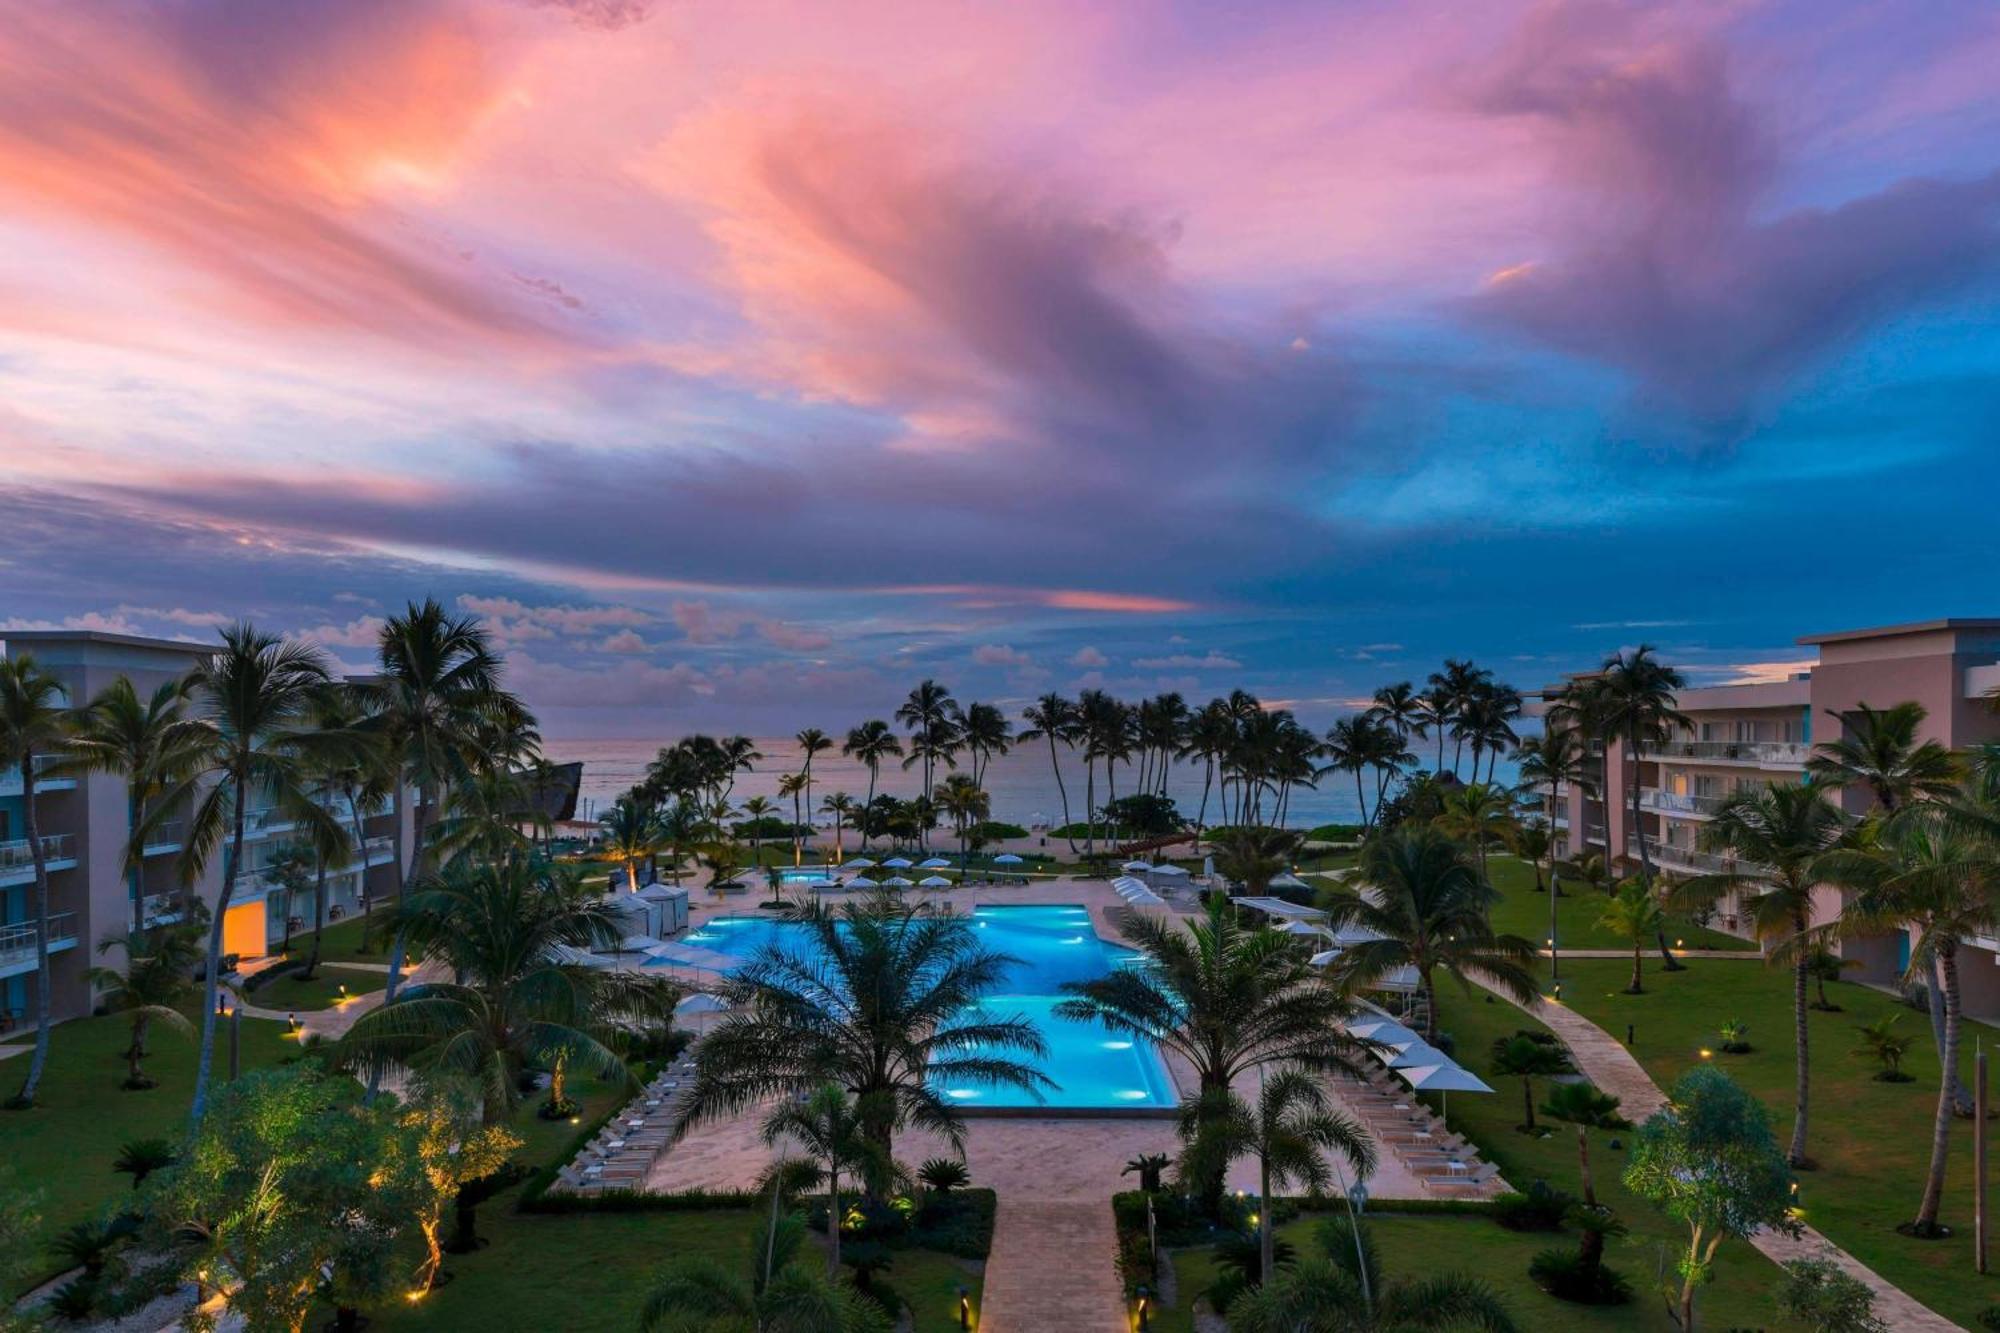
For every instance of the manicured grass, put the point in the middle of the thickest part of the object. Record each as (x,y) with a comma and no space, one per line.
(1524,912)
(1870,1140)
(293,994)
(65,1146)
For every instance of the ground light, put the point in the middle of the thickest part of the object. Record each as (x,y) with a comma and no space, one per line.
(964,1308)
(1145,1310)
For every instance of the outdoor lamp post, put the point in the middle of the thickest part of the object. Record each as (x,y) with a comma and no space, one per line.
(964,1308)
(1145,1307)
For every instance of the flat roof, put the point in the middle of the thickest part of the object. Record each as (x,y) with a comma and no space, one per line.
(1913,627)
(102,636)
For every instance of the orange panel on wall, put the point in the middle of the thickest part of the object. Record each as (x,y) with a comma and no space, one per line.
(244,930)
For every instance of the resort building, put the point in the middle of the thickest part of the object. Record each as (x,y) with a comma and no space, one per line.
(84,823)
(1757,734)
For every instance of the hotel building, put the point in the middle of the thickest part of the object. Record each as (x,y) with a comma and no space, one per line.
(84,821)
(1752,735)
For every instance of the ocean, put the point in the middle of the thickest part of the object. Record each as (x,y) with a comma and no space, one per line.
(1021,785)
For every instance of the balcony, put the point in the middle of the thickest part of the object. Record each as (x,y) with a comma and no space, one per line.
(10,779)
(1757,754)
(1678,803)
(1593,832)
(160,909)
(167,836)
(18,951)
(1688,859)
(17,858)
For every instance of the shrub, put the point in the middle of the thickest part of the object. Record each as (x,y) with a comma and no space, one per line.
(140,1158)
(75,1301)
(944,1174)
(1826,1299)
(1735,1036)
(1582,1104)
(997,830)
(1567,1276)
(1990,1317)
(88,1245)
(1539,1208)
(258,980)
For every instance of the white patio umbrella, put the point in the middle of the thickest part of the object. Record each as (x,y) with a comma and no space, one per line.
(858,863)
(896,882)
(932,863)
(637,943)
(1175,872)
(1302,928)
(863,882)
(1325,957)
(701,1003)
(897,863)
(1006,859)
(1137,867)
(1445,1078)
(933,882)
(1386,1031)
(1415,1055)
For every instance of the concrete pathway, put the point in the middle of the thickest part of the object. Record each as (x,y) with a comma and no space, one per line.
(1053,1267)
(1606,1062)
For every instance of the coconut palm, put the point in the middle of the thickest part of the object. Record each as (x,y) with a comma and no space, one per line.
(1210,736)
(961,801)
(1553,760)
(437,674)
(792,786)
(482,815)
(1881,753)
(841,806)
(1253,857)
(152,987)
(1398,707)
(929,713)
(633,836)
(1438,710)
(682,831)
(756,810)
(871,743)
(1591,871)
(1221,996)
(1478,815)
(828,1126)
(1924,877)
(254,698)
(1053,718)
(878,1000)
(503,931)
(1781,833)
(149,742)
(1290,1129)
(1346,1291)
(1460,684)
(33,723)
(1633,914)
(778,1295)
(811,742)
(986,732)
(1523,1057)
(354,774)
(1430,907)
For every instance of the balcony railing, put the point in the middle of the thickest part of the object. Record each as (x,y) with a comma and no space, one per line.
(10,777)
(1679,803)
(20,855)
(1708,863)
(1783,754)
(1593,832)
(166,836)
(17,942)
(155,908)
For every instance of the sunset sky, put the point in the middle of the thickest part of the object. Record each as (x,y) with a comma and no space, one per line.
(742,363)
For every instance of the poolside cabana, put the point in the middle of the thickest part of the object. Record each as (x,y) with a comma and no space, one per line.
(1279,908)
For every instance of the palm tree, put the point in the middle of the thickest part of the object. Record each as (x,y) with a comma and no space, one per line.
(1553,760)
(794,786)
(682,830)
(1054,719)
(1253,857)
(1589,870)
(437,675)
(1523,1057)
(829,1126)
(928,713)
(1881,753)
(1459,685)
(986,732)
(878,1000)
(1222,997)
(871,743)
(1348,750)
(756,810)
(961,800)
(356,772)
(153,985)
(633,836)
(1478,815)
(1924,878)
(1344,1291)
(1784,831)
(1430,907)
(1210,736)
(1633,914)
(254,697)
(1292,1124)
(149,742)
(700,1295)
(503,931)
(1438,710)
(1101,731)
(33,722)
(841,806)
(1398,707)
(811,741)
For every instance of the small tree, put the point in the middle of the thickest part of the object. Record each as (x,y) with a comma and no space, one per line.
(1826,1299)
(1882,1043)
(156,981)
(1525,1057)
(1824,965)
(1709,1160)
(1634,914)
(1149,1167)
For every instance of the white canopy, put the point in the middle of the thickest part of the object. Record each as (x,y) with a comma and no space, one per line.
(687,955)
(1442,1078)
(701,1003)
(896,882)
(1137,867)
(862,882)
(1401,978)
(1303,928)
(1006,859)
(858,863)
(897,863)
(1176,872)
(1278,907)
(932,863)
(933,882)
(638,943)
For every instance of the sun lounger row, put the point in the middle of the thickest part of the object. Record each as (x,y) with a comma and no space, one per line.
(1443,1160)
(624,1150)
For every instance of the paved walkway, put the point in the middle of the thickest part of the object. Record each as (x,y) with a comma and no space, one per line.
(1613,1069)
(1053,1267)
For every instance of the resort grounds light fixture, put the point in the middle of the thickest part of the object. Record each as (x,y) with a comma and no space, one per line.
(1707,1054)
(1145,1307)
(964,1308)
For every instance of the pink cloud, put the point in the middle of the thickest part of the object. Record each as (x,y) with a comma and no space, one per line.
(1211,661)
(1089,658)
(999,654)
(361,632)
(624,641)
(703,623)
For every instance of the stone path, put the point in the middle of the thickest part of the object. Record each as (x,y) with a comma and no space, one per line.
(1606,1062)
(1053,1268)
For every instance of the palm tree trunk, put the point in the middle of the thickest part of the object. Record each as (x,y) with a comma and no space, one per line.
(1927,1211)
(1796,1155)
(32,823)
(1360,798)
(135,1075)
(1634,987)
(1668,962)
(1961,1096)
(1201,814)
(415,869)
(874,767)
(1583,1166)
(833,1223)
(134,875)
(319,912)
(1528,1104)
(206,1060)
(1267,1258)
(1089,806)
(1061,790)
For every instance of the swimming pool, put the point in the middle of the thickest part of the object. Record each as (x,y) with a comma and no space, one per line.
(1093,1069)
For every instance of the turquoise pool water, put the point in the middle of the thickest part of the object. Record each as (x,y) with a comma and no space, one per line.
(1053,944)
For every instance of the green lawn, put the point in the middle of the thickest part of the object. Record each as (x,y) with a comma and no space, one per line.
(64,1148)
(1522,911)
(293,994)
(1871,1140)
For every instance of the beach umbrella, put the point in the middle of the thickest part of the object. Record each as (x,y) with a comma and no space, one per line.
(896,882)
(1415,1055)
(862,882)
(1175,872)
(701,1003)
(1325,957)
(932,863)
(897,863)
(1137,867)
(1288,881)
(1302,928)
(934,882)
(1006,859)
(1446,1078)
(1386,1031)
(858,863)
